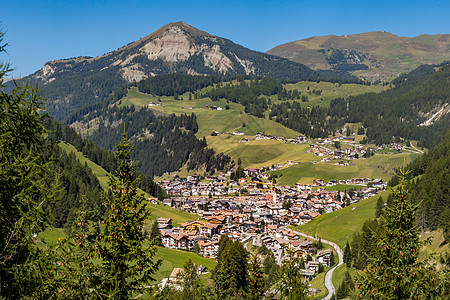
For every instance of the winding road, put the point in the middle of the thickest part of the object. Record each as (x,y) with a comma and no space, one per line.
(329,275)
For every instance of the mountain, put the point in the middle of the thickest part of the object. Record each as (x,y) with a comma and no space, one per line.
(72,83)
(376,55)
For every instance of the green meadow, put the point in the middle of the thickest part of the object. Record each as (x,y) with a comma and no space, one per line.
(339,226)
(377,166)
(172,258)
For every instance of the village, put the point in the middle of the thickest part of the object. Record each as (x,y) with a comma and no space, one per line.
(257,212)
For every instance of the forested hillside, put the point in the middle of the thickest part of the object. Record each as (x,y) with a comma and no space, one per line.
(162,143)
(395,114)
(59,132)
(430,187)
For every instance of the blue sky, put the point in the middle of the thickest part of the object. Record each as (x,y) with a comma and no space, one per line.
(40,31)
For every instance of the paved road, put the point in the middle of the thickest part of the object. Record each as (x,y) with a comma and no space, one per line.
(329,275)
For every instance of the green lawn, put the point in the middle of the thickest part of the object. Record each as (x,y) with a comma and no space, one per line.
(172,258)
(318,284)
(339,226)
(377,166)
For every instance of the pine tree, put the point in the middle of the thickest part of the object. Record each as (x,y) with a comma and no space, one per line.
(230,276)
(255,280)
(379,207)
(126,258)
(26,270)
(155,234)
(394,271)
(346,287)
(290,285)
(348,255)
(190,281)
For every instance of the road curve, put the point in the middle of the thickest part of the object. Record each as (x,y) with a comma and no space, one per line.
(329,275)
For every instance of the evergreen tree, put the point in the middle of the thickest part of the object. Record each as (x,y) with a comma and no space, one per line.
(332,259)
(348,255)
(76,254)
(126,259)
(379,207)
(155,234)
(230,277)
(346,287)
(394,271)
(255,280)
(190,281)
(26,270)
(290,285)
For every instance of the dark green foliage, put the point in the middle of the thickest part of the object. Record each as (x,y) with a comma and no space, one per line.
(289,284)
(248,94)
(346,287)
(59,132)
(315,122)
(420,72)
(76,255)
(347,255)
(363,244)
(155,234)
(332,259)
(318,244)
(76,181)
(271,269)
(397,112)
(432,190)
(26,270)
(126,258)
(394,271)
(190,282)
(163,143)
(230,276)
(255,280)
(379,207)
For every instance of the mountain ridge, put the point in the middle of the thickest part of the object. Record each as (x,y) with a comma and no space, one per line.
(72,83)
(380,55)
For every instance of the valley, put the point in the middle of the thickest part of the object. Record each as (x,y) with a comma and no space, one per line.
(124,175)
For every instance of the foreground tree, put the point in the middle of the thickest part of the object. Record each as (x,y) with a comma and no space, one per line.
(126,258)
(290,285)
(255,280)
(26,270)
(230,276)
(394,271)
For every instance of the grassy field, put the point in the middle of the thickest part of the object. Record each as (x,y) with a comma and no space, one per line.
(339,226)
(377,166)
(318,284)
(436,245)
(342,187)
(157,211)
(172,258)
(223,121)
(330,91)
(258,153)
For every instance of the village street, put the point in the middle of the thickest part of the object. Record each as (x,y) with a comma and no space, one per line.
(328,277)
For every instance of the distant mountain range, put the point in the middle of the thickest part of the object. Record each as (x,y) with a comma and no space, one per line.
(72,83)
(376,55)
